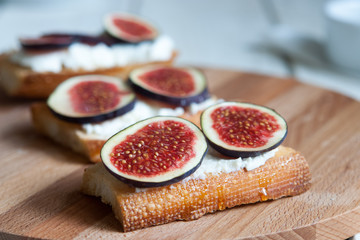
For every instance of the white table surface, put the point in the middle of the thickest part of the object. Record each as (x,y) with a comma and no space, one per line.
(228,34)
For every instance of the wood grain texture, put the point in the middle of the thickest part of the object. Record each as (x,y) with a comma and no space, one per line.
(40,181)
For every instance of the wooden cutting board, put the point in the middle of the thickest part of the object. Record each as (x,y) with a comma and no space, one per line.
(40,181)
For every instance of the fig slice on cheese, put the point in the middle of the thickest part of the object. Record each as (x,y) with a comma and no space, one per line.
(129,27)
(91,98)
(238,129)
(59,41)
(46,42)
(155,152)
(173,85)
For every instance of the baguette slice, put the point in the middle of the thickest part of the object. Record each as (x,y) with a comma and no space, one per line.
(72,136)
(20,81)
(67,134)
(286,174)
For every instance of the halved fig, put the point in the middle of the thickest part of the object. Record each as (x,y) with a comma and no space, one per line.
(46,42)
(174,85)
(82,38)
(155,152)
(53,41)
(91,98)
(129,28)
(238,129)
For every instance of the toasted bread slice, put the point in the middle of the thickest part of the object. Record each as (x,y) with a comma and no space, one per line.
(285,174)
(20,81)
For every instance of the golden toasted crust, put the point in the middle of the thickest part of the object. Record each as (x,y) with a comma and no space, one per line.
(21,81)
(286,174)
(66,133)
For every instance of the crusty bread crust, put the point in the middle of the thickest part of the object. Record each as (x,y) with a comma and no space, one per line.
(286,174)
(67,134)
(20,81)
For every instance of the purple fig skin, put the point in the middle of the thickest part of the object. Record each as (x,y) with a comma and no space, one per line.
(56,41)
(113,30)
(97,118)
(183,101)
(46,42)
(140,184)
(247,154)
(201,95)
(110,40)
(82,38)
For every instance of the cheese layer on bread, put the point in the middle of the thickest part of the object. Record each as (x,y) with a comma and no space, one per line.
(81,56)
(141,111)
(214,163)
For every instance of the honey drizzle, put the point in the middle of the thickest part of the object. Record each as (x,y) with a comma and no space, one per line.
(263,191)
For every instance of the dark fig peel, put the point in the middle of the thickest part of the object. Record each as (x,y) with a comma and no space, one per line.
(174,85)
(129,27)
(46,42)
(155,152)
(238,129)
(91,98)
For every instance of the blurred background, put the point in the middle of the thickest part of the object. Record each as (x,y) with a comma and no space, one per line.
(286,38)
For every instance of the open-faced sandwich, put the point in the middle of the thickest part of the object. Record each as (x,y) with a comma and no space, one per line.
(84,111)
(44,62)
(168,151)
(162,169)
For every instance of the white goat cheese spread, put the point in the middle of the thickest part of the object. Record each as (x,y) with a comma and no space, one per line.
(141,111)
(82,56)
(214,164)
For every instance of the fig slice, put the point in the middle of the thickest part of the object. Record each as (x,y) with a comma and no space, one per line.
(174,85)
(129,27)
(54,41)
(91,98)
(47,42)
(239,129)
(155,152)
(81,38)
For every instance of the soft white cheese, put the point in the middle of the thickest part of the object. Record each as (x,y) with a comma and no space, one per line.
(141,111)
(196,107)
(161,49)
(213,163)
(82,56)
(51,62)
